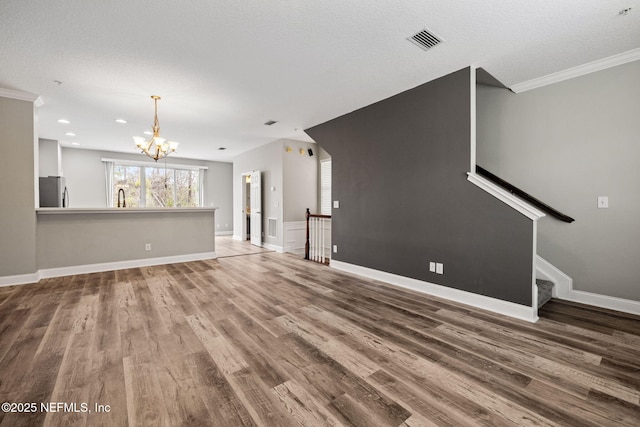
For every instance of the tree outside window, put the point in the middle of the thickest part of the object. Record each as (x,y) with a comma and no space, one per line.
(128,179)
(160,188)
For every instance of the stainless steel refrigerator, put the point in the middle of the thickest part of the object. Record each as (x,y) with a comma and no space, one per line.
(53,192)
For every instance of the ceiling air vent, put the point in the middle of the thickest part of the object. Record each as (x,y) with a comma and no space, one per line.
(424,39)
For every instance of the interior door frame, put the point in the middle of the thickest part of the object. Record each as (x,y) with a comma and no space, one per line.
(256,208)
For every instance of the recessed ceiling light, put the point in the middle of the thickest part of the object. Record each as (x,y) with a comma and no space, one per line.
(70,134)
(65,121)
(271,122)
(148,132)
(75,143)
(123,121)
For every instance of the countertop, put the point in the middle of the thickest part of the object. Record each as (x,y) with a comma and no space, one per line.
(69,211)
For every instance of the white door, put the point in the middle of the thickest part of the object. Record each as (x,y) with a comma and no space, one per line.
(256,209)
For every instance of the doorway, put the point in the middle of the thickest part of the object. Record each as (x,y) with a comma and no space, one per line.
(251,207)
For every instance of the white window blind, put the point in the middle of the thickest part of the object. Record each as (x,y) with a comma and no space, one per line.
(325,187)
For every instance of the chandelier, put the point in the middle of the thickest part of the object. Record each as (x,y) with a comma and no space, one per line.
(156,147)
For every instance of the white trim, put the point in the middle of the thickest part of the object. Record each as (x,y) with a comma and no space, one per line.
(19,279)
(153,164)
(97,268)
(236,237)
(472,122)
(295,225)
(534,284)
(272,247)
(580,70)
(21,96)
(518,311)
(121,265)
(520,205)
(291,244)
(563,289)
(224,233)
(604,301)
(547,271)
(66,211)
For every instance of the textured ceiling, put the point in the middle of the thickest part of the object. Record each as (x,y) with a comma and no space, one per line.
(225,67)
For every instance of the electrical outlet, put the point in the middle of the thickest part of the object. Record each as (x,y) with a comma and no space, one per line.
(432,267)
(147,246)
(439,268)
(603,202)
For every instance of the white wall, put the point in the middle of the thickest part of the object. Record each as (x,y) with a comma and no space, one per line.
(49,156)
(289,185)
(300,175)
(17,188)
(85,174)
(269,160)
(567,144)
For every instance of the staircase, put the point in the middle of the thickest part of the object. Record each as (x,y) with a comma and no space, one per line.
(545,291)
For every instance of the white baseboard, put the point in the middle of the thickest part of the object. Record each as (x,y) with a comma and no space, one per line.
(518,311)
(276,248)
(19,279)
(97,268)
(236,237)
(604,301)
(563,289)
(224,233)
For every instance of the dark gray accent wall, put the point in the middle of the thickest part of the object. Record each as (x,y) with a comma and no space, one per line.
(399,172)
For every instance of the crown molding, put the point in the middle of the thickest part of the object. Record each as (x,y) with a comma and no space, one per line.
(21,96)
(580,70)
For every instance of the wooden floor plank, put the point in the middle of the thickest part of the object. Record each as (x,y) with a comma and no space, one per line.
(261,338)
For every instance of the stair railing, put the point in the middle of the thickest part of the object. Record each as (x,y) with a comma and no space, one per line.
(525,196)
(318,243)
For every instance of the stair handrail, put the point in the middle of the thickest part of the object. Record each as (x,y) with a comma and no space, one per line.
(523,195)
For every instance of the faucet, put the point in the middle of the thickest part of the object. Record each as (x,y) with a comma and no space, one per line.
(124,202)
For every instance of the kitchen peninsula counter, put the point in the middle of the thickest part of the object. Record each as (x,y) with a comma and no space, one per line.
(79,240)
(57,211)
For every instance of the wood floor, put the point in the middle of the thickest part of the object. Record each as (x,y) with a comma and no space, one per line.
(226,247)
(269,339)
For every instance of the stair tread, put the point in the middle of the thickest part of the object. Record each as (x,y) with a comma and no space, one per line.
(545,291)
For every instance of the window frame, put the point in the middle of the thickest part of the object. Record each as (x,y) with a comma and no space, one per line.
(143,179)
(325,205)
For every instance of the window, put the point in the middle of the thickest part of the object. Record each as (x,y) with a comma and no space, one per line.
(127,178)
(151,186)
(325,187)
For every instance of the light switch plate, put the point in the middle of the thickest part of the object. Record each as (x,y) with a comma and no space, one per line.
(432,267)
(439,268)
(335,249)
(603,202)
(336,204)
